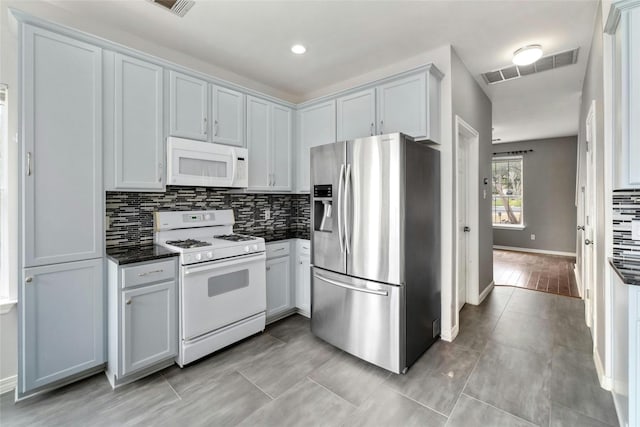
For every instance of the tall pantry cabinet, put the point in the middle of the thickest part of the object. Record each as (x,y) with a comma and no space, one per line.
(61,294)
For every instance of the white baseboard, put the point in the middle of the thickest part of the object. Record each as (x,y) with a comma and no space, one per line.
(578,281)
(450,337)
(534,251)
(605,381)
(8,384)
(486,291)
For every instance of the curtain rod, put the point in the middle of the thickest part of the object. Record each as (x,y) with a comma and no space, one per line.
(511,153)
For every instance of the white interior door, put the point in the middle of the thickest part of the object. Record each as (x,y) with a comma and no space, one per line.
(463,241)
(588,243)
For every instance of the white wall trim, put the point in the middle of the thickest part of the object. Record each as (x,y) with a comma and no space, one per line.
(578,280)
(534,251)
(449,338)
(605,381)
(486,291)
(8,384)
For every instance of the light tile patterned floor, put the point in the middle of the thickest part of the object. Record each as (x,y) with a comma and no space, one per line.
(546,273)
(522,358)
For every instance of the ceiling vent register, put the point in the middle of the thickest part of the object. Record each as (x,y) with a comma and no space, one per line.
(177,7)
(545,63)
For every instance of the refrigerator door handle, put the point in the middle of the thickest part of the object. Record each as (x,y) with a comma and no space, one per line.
(340,204)
(347,205)
(350,287)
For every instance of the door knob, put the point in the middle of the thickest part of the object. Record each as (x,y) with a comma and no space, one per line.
(466,229)
(588,242)
(129,302)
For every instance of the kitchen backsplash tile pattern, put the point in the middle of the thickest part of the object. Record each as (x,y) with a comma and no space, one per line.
(131,214)
(626,207)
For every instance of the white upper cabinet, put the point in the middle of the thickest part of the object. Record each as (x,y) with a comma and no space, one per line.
(269,129)
(61,160)
(411,105)
(624,23)
(227,111)
(316,126)
(188,106)
(356,115)
(134,143)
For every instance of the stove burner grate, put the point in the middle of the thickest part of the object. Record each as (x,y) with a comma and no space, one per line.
(187,244)
(234,237)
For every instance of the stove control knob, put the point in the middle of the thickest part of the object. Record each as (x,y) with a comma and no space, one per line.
(247,249)
(209,254)
(207,217)
(198,257)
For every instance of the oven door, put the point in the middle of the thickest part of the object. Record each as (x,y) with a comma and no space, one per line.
(219,293)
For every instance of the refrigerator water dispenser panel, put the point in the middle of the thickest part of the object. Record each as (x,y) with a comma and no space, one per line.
(323,208)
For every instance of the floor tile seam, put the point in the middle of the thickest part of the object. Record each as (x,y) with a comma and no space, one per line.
(529,352)
(256,385)
(330,391)
(276,338)
(171,387)
(475,366)
(420,403)
(500,409)
(585,415)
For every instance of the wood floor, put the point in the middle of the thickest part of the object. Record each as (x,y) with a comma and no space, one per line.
(546,273)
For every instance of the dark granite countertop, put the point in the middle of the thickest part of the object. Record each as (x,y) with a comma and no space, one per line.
(138,253)
(279,234)
(628,271)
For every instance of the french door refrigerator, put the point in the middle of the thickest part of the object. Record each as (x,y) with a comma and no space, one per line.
(375,242)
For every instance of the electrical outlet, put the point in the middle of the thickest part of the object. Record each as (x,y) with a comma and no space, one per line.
(533,237)
(267,213)
(635,229)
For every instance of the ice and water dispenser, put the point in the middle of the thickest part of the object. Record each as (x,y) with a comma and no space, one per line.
(322,207)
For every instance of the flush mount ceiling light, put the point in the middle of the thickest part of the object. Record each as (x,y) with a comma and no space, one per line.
(298,49)
(527,55)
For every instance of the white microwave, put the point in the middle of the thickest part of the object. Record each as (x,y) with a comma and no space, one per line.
(204,164)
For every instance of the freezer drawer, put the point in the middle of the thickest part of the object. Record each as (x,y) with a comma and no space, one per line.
(360,317)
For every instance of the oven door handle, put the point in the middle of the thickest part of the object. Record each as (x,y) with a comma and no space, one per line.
(221,264)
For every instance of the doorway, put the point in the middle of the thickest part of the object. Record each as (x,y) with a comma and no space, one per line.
(589,220)
(467,187)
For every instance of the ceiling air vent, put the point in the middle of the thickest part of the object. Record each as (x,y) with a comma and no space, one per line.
(545,63)
(177,7)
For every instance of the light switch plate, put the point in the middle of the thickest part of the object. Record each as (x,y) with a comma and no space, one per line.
(635,229)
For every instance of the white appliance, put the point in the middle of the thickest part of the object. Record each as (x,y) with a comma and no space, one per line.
(222,289)
(204,164)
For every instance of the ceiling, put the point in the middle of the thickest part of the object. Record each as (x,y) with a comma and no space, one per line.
(345,39)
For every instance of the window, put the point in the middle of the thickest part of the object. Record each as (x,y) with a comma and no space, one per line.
(507,203)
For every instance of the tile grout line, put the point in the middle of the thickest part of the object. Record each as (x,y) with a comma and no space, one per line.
(331,391)
(171,387)
(419,403)
(256,385)
(498,409)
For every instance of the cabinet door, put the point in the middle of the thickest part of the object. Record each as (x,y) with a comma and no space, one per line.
(402,106)
(278,286)
(281,148)
(62,163)
(228,116)
(149,326)
(138,139)
(356,115)
(316,126)
(63,328)
(631,96)
(187,106)
(258,135)
(303,285)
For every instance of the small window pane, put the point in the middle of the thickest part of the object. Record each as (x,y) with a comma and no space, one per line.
(507,194)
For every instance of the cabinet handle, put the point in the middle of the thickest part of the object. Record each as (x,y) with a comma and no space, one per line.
(215,128)
(273,183)
(381,126)
(28,279)
(146,273)
(279,249)
(29,163)
(304,247)
(159,172)
(300,262)
(129,301)
(204,125)
(371,128)
(268,268)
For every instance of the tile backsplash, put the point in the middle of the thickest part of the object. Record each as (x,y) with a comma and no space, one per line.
(131,214)
(626,207)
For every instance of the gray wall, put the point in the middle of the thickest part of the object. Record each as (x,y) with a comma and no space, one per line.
(474,107)
(549,176)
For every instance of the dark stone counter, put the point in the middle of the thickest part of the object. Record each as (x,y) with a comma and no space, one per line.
(628,271)
(138,253)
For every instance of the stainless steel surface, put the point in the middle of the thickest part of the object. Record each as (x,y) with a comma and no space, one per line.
(327,170)
(346,210)
(353,288)
(375,218)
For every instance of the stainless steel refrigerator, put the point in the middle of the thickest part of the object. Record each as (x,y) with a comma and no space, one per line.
(375,240)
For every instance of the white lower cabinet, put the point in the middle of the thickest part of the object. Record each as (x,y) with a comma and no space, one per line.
(143,319)
(278,286)
(303,278)
(62,322)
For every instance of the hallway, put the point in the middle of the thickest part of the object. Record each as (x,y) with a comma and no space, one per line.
(546,273)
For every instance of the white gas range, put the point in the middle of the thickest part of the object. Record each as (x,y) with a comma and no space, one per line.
(222,296)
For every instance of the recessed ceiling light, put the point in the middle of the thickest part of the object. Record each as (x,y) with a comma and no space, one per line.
(527,55)
(298,49)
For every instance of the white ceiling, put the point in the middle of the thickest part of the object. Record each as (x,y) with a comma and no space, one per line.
(348,38)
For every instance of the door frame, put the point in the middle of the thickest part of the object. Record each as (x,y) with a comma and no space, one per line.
(590,279)
(467,142)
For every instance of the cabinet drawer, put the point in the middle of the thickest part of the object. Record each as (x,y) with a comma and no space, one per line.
(305,247)
(148,272)
(277,249)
